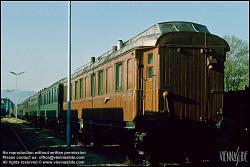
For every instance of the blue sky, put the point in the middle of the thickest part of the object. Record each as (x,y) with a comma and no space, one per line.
(34,34)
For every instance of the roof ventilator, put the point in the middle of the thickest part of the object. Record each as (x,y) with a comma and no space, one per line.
(92,60)
(114,48)
(119,44)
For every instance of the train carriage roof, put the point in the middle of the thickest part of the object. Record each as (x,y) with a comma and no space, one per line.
(147,38)
(174,26)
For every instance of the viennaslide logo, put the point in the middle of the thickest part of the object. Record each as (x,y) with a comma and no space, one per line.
(237,156)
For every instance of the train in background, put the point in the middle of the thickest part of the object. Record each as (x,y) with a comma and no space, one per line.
(160,90)
(44,107)
(7,107)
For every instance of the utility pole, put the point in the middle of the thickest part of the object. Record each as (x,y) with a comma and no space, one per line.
(69,78)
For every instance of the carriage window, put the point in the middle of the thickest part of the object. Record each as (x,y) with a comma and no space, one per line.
(56,90)
(41,99)
(51,93)
(85,90)
(150,72)
(76,89)
(93,85)
(150,58)
(52,97)
(48,97)
(65,93)
(100,82)
(150,66)
(80,88)
(71,91)
(118,79)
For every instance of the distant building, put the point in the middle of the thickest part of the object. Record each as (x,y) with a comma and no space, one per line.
(6,107)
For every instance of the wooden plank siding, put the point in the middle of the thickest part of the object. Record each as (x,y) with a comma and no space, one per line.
(178,66)
(111,105)
(197,91)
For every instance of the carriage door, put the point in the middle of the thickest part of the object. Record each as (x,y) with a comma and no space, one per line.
(150,96)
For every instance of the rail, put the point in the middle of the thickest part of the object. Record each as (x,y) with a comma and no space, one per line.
(19,139)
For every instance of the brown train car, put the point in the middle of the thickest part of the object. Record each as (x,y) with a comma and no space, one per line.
(171,71)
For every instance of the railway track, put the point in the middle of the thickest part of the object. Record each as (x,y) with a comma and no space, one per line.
(11,140)
(27,138)
(19,139)
(17,136)
(24,137)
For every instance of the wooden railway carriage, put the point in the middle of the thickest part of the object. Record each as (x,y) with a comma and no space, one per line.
(171,70)
(160,90)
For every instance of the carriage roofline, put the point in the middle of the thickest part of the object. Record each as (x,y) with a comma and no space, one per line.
(147,38)
(43,90)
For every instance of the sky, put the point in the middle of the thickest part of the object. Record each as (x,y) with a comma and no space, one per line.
(34,35)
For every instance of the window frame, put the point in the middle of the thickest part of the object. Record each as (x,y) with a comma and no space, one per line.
(85,86)
(150,54)
(76,91)
(148,70)
(65,93)
(100,83)
(80,88)
(120,88)
(52,96)
(92,85)
(150,65)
